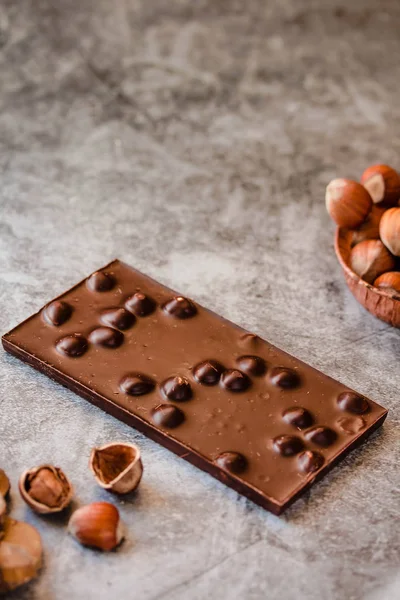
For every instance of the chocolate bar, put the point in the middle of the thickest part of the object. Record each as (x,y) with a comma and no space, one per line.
(254,417)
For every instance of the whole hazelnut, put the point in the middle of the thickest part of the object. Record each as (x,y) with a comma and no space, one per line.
(3,515)
(20,555)
(369,230)
(383,184)
(117,467)
(97,525)
(369,259)
(389,229)
(45,489)
(389,281)
(4,484)
(347,202)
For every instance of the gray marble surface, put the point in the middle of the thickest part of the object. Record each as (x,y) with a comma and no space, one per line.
(194,139)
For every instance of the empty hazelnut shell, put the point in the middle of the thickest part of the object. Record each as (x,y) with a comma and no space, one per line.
(369,259)
(20,555)
(45,489)
(117,467)
(97,525)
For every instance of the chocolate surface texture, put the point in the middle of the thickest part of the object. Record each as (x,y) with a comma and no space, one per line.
(258,419)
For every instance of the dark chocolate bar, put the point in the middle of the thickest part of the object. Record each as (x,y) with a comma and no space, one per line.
(261,421)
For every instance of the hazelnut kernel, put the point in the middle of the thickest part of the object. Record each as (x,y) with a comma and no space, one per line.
(45,489)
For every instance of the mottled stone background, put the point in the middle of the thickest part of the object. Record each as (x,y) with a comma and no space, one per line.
(193,139)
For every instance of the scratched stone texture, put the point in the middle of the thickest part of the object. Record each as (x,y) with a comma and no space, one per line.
(194,139)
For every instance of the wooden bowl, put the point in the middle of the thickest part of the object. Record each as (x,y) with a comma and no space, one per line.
(379,302)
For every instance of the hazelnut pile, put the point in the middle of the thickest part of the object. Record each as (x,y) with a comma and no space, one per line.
(370,210)
(117,467)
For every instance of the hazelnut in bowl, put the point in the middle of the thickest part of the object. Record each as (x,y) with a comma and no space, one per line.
(367,241)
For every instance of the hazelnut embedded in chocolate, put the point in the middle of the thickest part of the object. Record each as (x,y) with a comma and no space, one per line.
(353,403)
(234,380)
(309,461)
(208,372)
(167,415)
(136,384)
(298,417)
(252,365)
(284,377)
(287,445)
(119,318)
(177,389)
(180,308)
(57,313)
(107,337)
(321,436)
(72,345)
(140,304)
(100,282)
(232,461)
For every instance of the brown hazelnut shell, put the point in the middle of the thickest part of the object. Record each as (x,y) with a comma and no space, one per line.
(389,281)
(97,525)
(371,258)
(3,515)
(383,184)
(389,229)
(377,301)
(42,508)
(369,230)
(4,484)
(117,467)
(347,202)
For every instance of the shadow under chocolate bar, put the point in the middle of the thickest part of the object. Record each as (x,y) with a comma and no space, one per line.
(254,417)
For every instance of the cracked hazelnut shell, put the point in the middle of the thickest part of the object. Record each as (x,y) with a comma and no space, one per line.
(117,467)
(46,489)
